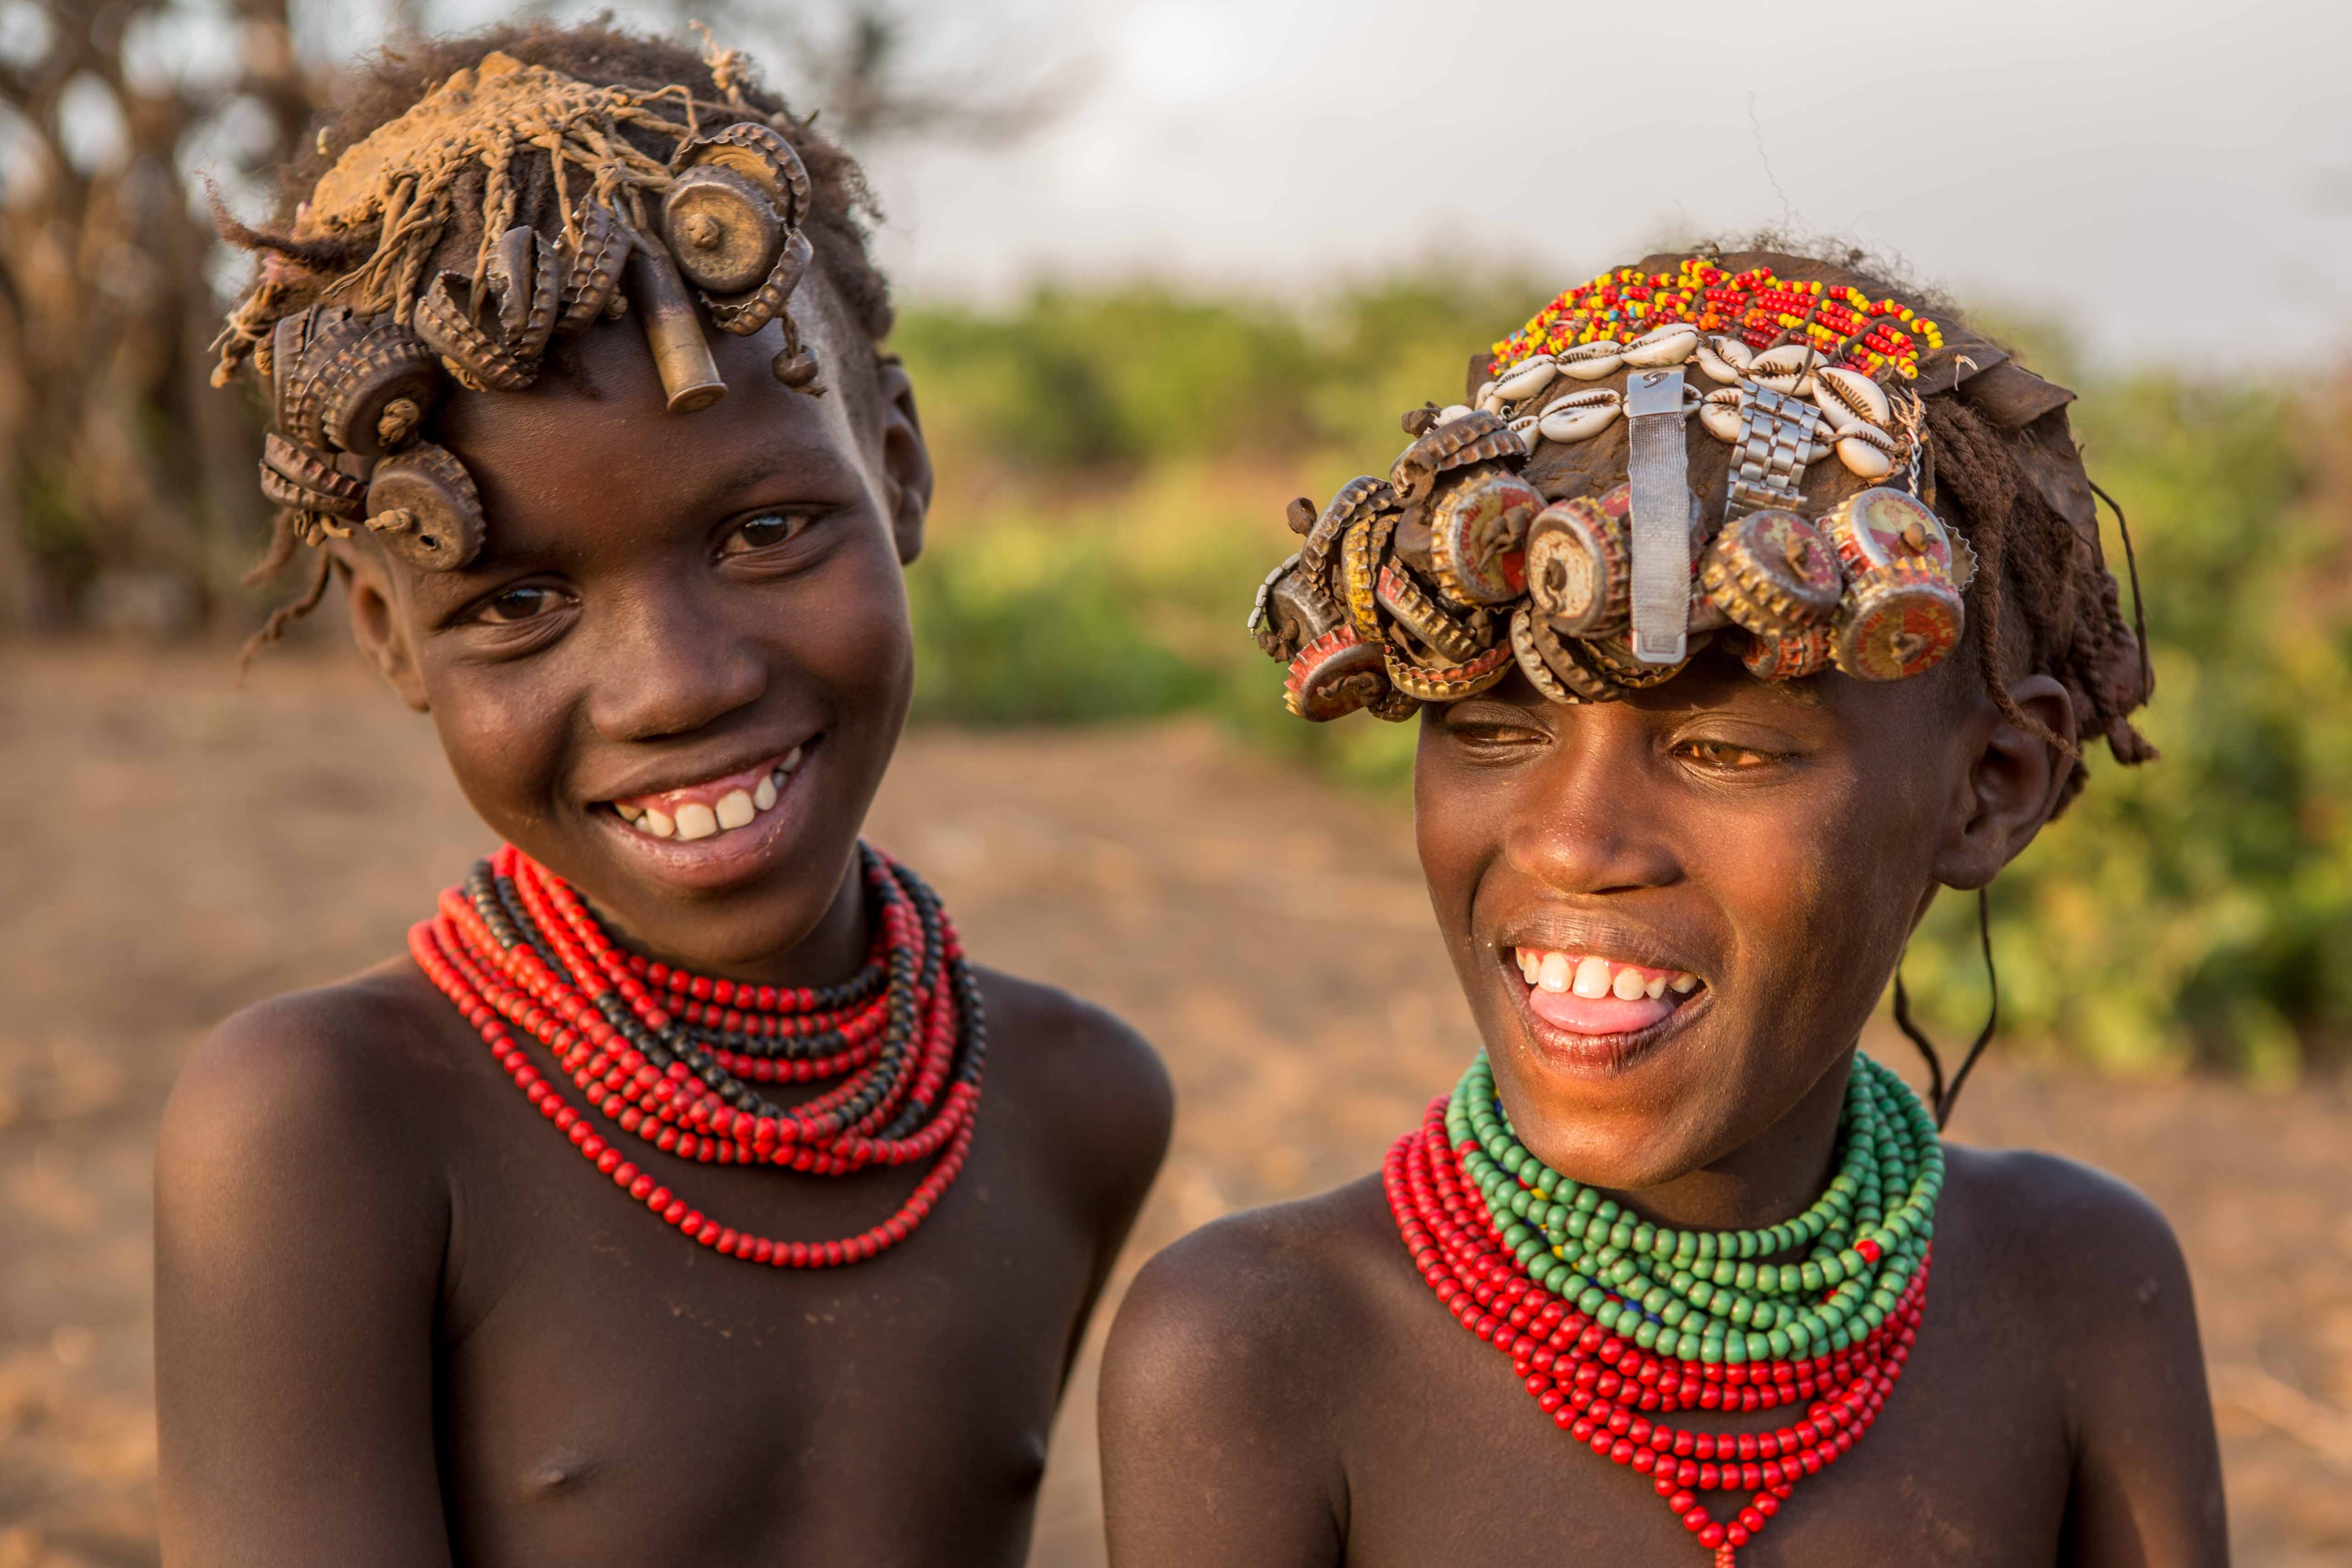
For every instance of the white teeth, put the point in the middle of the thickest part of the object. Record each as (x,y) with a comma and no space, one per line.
(1685,983)
(1627,985)
(628,813)
(1552,974)
(791,761)
(658,823)
(697,820)
(765,795)
(1655,988)
(735,809)
(1592,978)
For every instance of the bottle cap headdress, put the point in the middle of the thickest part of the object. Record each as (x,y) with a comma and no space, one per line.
(1679,453)
(713,231)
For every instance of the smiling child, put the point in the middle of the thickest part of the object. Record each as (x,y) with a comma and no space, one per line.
(684,1196)
(1747,603)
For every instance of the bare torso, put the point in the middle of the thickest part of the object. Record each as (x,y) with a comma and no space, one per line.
(1328,1409)
(524,1367)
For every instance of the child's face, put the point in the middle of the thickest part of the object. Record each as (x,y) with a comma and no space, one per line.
(1777,842)
(669,609)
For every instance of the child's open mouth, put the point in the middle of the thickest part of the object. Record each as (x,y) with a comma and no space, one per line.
(713,806)
(1589,993)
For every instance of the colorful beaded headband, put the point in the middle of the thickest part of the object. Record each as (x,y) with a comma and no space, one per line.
(1754,308)
(352,377)
(1481,551)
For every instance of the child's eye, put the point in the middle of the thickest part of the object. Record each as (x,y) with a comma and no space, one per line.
(765,531)
(521,602)
(1727,754)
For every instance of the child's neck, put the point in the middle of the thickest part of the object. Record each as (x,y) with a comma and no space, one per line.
(1773,1177)
(832,953)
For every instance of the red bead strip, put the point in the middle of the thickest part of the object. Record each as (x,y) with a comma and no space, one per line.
(1602,1389)
(517,950)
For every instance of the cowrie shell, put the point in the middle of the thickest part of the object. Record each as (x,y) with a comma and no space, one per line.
(1867,451)
(1725,360)
(1849,397)
(1526,426)
(1720,413)
(1449,413)
(1590,362)
(1787,369)
(1526,379)
(1667,345)
(1579,415)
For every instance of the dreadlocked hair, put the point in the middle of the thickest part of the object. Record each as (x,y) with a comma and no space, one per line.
(2042,597)
(297,270)
(2040,585)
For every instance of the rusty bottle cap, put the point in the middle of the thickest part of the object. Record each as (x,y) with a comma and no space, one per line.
(1568,661)
(1453,682)
(1334,675)
(1897,622)
(1579,568)
(1772,571)
(1788,655)
(1478,530)
(1879,527)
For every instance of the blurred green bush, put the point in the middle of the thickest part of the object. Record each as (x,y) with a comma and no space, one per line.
(1114,464)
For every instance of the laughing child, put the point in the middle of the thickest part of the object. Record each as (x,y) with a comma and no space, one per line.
(663,1204)
(1747,603)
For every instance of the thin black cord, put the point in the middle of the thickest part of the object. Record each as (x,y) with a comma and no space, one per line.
(1941,1097)
(2131,564)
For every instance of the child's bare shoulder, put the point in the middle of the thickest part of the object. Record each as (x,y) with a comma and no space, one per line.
(2058,1223)
(2070,1266)
(330,1089)
(1242,1322)
(1080,1079)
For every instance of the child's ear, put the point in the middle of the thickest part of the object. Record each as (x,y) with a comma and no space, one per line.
(905,459)
(377,625)
(2011,787)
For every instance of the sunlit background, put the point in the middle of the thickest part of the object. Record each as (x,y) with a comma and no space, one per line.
(1163,265)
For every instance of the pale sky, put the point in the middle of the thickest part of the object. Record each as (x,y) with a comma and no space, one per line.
(2174,177)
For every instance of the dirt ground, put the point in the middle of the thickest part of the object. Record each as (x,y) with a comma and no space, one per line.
(177,848)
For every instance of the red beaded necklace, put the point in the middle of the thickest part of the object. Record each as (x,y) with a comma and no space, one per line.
(671,1056)
(1603,1390)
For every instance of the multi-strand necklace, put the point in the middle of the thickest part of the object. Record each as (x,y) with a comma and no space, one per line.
(1614,1323)
(673,1058)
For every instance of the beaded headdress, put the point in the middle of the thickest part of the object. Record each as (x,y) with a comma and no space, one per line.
(352,376)
(1714,449)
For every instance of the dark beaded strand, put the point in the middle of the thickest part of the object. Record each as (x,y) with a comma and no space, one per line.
(666,1054)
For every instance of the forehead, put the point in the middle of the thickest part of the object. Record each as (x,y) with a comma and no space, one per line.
(594,433)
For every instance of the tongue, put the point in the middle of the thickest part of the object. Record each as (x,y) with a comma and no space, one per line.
(1597,1015)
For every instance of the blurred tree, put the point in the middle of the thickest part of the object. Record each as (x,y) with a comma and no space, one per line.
(126,491)
(121,481)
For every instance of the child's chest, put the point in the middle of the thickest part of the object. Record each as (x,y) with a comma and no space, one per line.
(614,1393)
(1967,1464)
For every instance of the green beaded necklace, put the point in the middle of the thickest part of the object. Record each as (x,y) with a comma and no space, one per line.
(1713,1296)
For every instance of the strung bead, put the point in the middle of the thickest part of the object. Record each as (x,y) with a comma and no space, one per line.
(671,1057)
(1475,1207)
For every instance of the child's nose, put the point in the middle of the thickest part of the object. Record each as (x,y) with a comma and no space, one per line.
(1587,822)
(667,668)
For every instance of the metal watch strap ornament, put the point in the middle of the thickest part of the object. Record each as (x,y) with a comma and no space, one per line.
(1778,436)
(1660,475)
